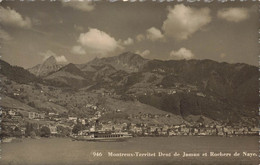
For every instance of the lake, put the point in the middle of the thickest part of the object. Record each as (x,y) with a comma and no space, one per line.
(141,150)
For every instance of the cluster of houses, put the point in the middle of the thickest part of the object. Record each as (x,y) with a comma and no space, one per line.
(35,115)
(141,129)
(149,115)
(172,130)
(15,118)
(182,129)
(13,113)
(160,89)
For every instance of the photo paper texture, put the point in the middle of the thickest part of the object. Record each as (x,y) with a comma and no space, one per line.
(129,82)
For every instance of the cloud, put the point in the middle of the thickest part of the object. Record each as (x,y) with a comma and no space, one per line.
(154,34)
(49,53)
(78,50)
(10,17)
(78,27)
(233,14)
(140,37)
(36,22)
(4,36)
(183,21)
(82,5)
(144,53)
(128,41)
(151,34)
(182,53)
(222,55)
(98,42)
(61,59)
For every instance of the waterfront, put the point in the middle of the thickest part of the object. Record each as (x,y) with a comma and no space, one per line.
(55,151)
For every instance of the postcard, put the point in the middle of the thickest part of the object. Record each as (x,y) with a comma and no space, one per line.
(140,82)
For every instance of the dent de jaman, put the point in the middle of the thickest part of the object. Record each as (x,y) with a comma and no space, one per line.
(190,154)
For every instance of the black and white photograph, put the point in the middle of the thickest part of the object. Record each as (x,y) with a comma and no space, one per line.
(133,82)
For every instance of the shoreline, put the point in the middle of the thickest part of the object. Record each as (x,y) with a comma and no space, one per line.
(18,140)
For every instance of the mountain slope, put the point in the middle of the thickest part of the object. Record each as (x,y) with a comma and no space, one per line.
(220,91)
(17,74)
(8,102)
(69,75)
(213,78)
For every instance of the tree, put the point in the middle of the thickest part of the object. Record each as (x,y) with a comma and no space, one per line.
(76,128)
(32,104)
(63,131)
(17,132)
(28,129)
(32,134)
(6,132)
(31,127)
(45,131)
(156,132)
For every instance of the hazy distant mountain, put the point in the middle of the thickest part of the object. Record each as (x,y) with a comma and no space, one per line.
(48,66)
(127,61)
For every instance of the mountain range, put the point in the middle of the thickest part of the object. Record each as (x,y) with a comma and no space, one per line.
(219,91)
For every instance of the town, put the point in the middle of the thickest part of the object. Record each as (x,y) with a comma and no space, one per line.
(16,123)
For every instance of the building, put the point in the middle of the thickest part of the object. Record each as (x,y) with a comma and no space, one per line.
(34,115)
(11,112)
(82,121)
(39,115)
(31,115)
(200,94)
(53,130)
(51,114)
(16,117)
(74,119)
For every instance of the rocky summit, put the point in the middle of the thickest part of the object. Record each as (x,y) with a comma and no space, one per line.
(48,66)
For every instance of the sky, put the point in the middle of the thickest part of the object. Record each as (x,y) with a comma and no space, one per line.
(77,32)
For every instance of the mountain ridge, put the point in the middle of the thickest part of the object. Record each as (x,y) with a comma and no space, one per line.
(129,62)
(219,91)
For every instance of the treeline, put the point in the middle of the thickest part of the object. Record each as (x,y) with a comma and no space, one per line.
(33,130)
